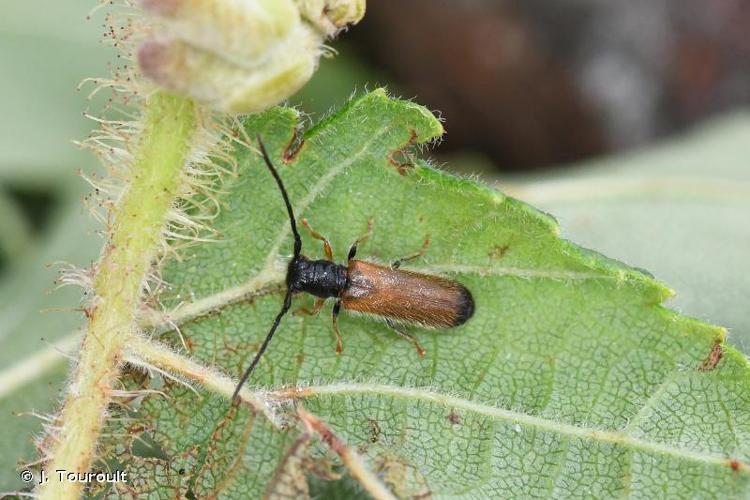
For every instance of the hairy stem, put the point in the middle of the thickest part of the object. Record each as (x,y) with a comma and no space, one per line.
(138,221)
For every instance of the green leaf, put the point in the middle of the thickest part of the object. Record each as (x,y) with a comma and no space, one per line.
(570,380)
(679,210)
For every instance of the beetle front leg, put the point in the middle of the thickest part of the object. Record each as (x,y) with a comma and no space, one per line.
(326,244)
(303,311)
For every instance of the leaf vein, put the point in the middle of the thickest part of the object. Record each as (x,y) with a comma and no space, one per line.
(544,424)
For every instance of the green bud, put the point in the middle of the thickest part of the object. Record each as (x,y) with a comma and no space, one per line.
(243,32)
(330,16)
(240,56)
(228,87)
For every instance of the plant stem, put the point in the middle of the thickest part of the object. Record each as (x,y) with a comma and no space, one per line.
(139,219)
(357,467)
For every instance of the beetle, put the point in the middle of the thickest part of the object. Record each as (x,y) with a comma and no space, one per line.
(395,295)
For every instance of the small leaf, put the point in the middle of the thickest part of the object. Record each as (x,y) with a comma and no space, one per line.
(570,380)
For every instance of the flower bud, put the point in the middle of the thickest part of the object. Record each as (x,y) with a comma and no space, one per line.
(240,56)
(330,16)
(241,31)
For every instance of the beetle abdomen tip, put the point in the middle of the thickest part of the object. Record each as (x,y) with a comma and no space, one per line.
(465,308)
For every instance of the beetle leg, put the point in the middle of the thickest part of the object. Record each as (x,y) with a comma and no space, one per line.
(315,310)
(339,342)
(397,263)
(361,239)
(326,244)
(407,336)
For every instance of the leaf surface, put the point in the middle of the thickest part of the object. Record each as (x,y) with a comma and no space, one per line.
(679,210)
(571,380)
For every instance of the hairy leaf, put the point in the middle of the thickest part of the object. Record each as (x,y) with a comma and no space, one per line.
(571,380)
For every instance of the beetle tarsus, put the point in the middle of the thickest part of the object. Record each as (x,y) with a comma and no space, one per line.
(411,338)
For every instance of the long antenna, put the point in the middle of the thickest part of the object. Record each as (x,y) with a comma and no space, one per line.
(288,297)
(290,211)
(284,309)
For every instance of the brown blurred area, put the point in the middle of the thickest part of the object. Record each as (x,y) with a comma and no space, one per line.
(534,83)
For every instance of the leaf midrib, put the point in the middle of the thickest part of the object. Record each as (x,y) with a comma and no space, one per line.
(272,277)
(621,439)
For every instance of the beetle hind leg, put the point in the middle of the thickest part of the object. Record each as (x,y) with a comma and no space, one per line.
(411,338)
(336,333)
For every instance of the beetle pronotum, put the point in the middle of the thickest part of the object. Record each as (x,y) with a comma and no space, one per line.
(395,295)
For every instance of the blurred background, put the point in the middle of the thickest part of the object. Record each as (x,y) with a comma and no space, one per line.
(628,121)
(537,83)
